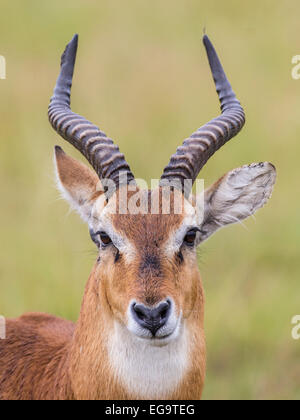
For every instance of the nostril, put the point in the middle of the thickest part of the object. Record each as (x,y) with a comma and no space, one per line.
(164,313)
(164,310)
(139,312)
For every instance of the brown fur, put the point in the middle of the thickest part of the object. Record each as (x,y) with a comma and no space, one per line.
(33,358)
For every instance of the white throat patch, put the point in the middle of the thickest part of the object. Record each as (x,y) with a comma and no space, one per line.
(148,371)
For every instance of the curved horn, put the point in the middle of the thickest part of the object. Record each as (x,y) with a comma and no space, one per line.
(99,150)
(190,158)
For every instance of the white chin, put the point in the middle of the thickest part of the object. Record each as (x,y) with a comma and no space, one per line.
(163,341)
(159,341)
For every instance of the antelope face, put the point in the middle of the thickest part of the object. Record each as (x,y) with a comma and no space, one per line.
(147,268)
(147,263)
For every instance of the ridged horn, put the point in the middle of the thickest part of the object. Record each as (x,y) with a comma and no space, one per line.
(190,158)
(99,150)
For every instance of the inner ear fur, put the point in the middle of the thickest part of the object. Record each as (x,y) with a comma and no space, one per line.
(236,196)
(78,184)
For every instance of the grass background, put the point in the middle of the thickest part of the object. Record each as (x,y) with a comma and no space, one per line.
(142,75)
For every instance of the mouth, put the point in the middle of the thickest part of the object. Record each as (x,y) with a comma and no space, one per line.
(160,339)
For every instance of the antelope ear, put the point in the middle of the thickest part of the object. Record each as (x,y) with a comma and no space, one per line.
(78,184)
(236,196)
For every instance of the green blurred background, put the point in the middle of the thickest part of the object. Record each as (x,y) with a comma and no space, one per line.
(142,75)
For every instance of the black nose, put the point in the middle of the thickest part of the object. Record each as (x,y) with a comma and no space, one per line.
(151,318)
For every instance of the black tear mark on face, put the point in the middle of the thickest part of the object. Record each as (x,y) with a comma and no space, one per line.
(179,257)
(117,256)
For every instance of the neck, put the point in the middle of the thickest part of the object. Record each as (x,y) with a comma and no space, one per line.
(107,362)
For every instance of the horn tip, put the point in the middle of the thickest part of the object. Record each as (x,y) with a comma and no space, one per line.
(206,41)
(74,40)
(70,50)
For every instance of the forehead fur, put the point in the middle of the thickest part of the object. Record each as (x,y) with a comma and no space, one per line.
(157,213)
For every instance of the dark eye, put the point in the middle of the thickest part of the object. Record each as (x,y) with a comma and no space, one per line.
(190,237)
(105,239)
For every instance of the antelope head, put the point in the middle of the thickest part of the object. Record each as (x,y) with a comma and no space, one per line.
(146,272)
